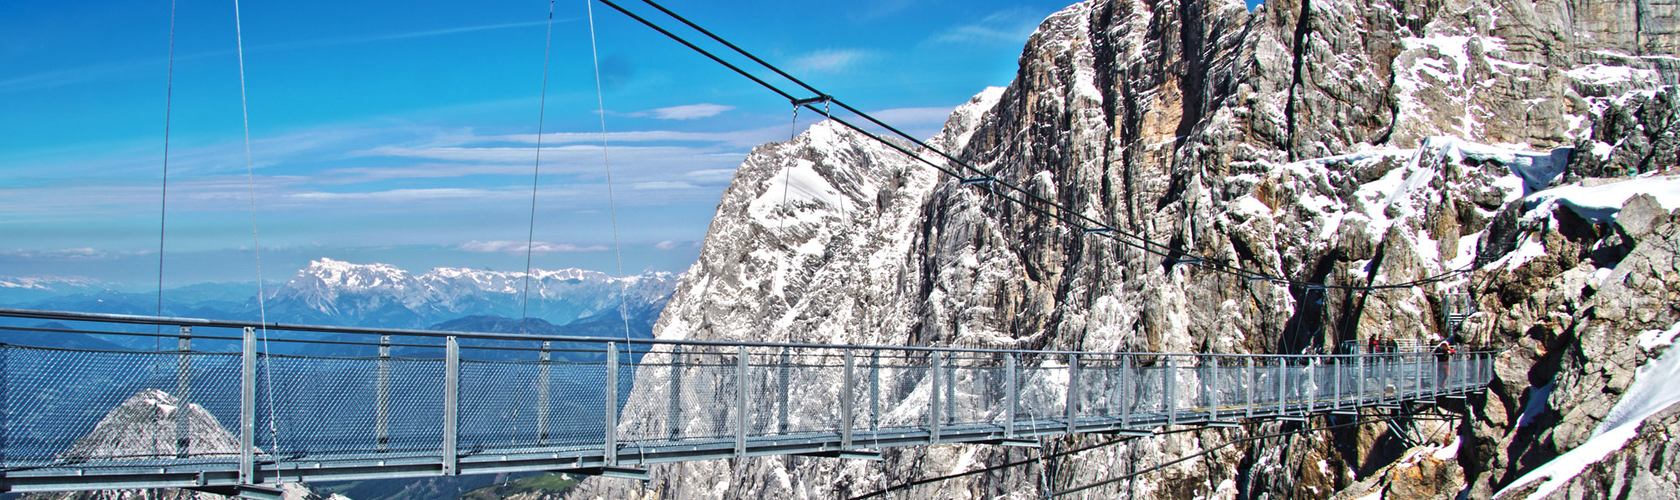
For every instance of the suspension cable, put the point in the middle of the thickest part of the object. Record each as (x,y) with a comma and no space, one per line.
(612,206)
(1028,200)
(256,242)
(536,170)
(163,196)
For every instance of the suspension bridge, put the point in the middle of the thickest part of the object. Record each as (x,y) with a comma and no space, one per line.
(238,419)
(238,422)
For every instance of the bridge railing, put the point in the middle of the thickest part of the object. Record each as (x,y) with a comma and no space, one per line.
(341,403)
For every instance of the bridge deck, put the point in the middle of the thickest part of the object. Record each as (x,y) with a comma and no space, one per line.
(84,419)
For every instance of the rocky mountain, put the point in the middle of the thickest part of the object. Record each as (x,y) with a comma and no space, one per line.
(1469,144)
(382,295)
(145,427)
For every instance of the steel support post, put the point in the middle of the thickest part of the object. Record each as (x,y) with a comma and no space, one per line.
(1417,392)
(1282,373)
(451,405)
(248,408)
(950,387)
(1169,382)
(1309,384)
(1073,393)
(609,443)
(183,392)
(1126,392)
(673,420)
(934,418)
(1009,396)
(1337,375)
(1359,380)
(1213,388)
(740,401)
(848,398)
(874,390)
(543,357)
(1248,387)
(382,410)
(782,391)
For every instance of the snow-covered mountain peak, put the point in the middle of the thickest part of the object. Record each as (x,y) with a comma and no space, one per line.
(335,291)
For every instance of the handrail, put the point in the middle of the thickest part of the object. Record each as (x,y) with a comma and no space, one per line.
(293,327)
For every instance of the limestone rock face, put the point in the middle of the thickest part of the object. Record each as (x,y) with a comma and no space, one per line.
(1334,142)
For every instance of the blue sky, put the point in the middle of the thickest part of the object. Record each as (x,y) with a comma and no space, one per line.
(403,132)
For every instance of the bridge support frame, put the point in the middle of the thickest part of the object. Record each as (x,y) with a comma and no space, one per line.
(248,407)
(183,392)
(1009,395)
(543,357)
(1248,388)
(848,398)
(673,424)
(451,405)
(1073,394)
(741,360)
(382,410)
(609,445)
(1169,382)
(934,418)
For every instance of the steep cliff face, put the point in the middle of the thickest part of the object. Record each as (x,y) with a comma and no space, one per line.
(1335,142)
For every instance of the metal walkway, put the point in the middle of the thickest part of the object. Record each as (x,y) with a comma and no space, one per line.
(359,403)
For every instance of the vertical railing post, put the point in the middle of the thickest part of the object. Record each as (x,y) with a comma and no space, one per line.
(382,410)
(1248,389)
(1337,373)
(1169,384)
(950,387)
(935,365)
(874,390)
(543,357)
(673,420)
(248,408)
(741,401)
(609,441)
(1125,391)
(848,398)
(183,392)
(1421,359)
(1073,393)
(1009,395)
(1213,388)
(451,404)
(1309,384)
(1282,373)
(1359,380)
(782,392)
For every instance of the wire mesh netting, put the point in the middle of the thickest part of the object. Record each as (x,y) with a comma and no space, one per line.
(90,409)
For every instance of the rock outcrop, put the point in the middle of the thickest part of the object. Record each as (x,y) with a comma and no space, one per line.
(1336,142)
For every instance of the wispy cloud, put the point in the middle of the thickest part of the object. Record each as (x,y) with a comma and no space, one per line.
(685,112)
(80,253)
(519,247)
(666,245)
(832,60)
(1008,26)
(737,138)
(904,117)
(664,185)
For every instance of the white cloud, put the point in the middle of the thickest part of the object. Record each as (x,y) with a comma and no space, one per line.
(666,245)
(832,60)
(904,117)
(1008,26)
(664,185)
(713,175)
(519,247)
(686,111)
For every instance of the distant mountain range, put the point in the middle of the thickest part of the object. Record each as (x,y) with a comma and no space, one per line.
(572,302)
